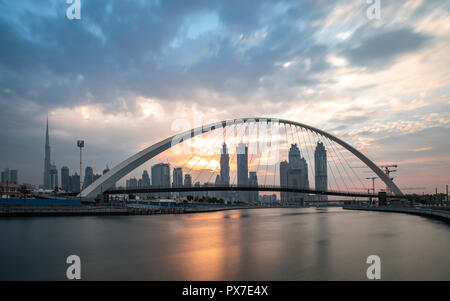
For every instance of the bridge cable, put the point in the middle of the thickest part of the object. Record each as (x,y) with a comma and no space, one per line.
(293,142)
(260,155)
(194,153)
(286,194)
(335,164)
(345,169)
(212,157)
(308,155)
(275,153)
(277,156)
(332,156)
(342,165)
(201,157)
(235,153)
(268,155)
(257,147)
(352,169)
(311,166)
(213,173)
(257,150)
(331,169)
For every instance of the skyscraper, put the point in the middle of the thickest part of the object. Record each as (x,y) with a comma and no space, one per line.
(5,176)
(53,179)
(187,183)
(177,179)
(187,180)
(197,194)
(88,176)
(75,183)
(161,177)
(224,166)
(294,157)
(320,166)
(131,183)
(65,178)
(224,170)
(9,176)
(47,164)
(297,175)
(284,180)
(145,179)
(253,181)
(296,161)
(242,169)
(218,182)
(13,176)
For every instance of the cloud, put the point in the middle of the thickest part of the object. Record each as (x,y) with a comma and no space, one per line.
(381,49)
(421,149)
(127,69)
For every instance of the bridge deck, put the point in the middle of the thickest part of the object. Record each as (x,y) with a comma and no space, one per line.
(237,188)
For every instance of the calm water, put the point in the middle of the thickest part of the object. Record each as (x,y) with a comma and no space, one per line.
(258,244)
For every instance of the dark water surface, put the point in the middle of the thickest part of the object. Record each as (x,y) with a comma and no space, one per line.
(256,244)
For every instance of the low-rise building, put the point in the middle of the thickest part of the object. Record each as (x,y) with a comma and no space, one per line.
(10,190)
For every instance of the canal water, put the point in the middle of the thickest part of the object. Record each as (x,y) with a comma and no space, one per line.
(253,244)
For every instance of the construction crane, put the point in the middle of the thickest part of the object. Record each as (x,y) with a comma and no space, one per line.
(388,171)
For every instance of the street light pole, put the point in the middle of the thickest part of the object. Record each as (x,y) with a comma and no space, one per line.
(80,144)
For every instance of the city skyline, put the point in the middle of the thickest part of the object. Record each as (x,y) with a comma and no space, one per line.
(241,148)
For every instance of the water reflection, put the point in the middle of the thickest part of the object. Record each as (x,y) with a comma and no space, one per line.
(259,244)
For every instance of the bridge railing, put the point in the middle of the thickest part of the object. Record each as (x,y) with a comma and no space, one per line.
(237,188)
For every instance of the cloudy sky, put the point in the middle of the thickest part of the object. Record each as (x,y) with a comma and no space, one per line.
(122,74)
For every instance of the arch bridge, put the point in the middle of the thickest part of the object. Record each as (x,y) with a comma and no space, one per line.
(105,182)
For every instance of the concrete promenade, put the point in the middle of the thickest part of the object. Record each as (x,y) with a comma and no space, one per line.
(89,210)
(443,214)
(16,211)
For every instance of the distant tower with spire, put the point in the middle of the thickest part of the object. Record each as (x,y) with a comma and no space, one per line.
(47,164)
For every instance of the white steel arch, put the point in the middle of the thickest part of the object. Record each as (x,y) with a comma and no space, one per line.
(111,177)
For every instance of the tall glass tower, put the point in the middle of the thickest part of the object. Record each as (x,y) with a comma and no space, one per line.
(47,164)
(224,166)
(242,169)
(224,170)
(320,165)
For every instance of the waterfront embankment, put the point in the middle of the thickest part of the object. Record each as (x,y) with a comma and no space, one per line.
(435,212)
(89,210)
